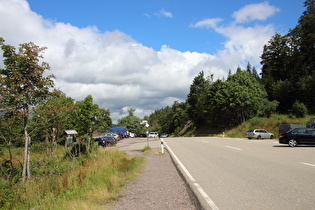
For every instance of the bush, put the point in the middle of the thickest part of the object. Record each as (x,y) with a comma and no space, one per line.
(299,109)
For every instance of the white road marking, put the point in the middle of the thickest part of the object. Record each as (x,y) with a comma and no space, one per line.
(308,164)
(236,148)
(199,188)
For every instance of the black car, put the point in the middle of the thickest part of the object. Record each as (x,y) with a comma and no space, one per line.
(298,136)
(106,141)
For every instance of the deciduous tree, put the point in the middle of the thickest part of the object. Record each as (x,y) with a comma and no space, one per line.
(23,85)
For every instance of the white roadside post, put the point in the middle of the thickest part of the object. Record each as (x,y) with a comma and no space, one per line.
(144,122)
(162,146)
(147,125)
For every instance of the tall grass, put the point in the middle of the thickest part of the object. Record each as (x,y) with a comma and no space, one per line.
(87,185)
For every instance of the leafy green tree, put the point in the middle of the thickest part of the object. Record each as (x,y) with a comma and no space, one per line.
(104,121)
(249,68)
(289,60)
(254,73)
(212,105)
(85,116)
(238,69)
(51,118)
(133,123)
(197,87)
(299,109)
(232,102)
(23,85)
(306,33)
(180,116)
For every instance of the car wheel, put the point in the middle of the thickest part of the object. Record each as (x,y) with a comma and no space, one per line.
(258,137)
(292,143)
(271,137)
(249,138)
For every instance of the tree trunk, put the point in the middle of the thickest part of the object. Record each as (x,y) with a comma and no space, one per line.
(26,160)
(28,157)
(54,144)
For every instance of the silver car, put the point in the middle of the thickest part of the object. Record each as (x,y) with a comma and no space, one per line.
(259,134)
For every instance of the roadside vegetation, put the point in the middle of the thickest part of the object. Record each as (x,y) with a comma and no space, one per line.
(62,181)
(270,124)
(146,149)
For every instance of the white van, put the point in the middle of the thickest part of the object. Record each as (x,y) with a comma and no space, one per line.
(153,135)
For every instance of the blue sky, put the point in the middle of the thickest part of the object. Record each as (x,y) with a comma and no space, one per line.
(144,54)
(163,22)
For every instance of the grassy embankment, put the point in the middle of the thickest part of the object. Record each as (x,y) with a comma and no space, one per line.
(270,124)
(62,183)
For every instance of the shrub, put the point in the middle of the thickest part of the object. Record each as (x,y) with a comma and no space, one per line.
(299,109)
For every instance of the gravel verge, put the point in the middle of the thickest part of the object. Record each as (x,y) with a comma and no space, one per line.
(159,185)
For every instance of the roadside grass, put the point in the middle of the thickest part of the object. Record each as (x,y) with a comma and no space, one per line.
(270,124)
(146,149)
(87,182)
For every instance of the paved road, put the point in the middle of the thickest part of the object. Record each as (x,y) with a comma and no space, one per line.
(249,174)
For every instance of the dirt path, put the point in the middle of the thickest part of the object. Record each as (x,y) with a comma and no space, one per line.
(159,186)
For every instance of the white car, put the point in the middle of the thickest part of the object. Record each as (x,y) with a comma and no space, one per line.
(153,135)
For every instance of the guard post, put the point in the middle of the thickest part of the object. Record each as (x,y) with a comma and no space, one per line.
(162,146)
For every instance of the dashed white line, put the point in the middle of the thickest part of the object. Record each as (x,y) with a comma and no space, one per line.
(308,164)
(192,179)
(236,148)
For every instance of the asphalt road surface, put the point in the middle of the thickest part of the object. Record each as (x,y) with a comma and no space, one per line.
(247,174)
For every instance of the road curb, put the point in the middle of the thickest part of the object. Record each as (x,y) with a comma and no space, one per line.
(198,201)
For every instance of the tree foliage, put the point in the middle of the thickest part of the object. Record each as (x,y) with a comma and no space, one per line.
(231,102)
(23,86)
(133,123)
(50,118)
(197,87)
(288,63)
(88,117)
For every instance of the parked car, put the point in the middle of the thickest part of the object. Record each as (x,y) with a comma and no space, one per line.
(142,135)
(163,135)
(259,134)
(120,135)
(110,134)
(153,135)
(106,141)
(283,128)
(298,136)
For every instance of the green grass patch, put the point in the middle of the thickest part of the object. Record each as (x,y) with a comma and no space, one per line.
(146,149)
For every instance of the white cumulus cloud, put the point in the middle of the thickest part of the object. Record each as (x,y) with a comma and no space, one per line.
(251,12)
